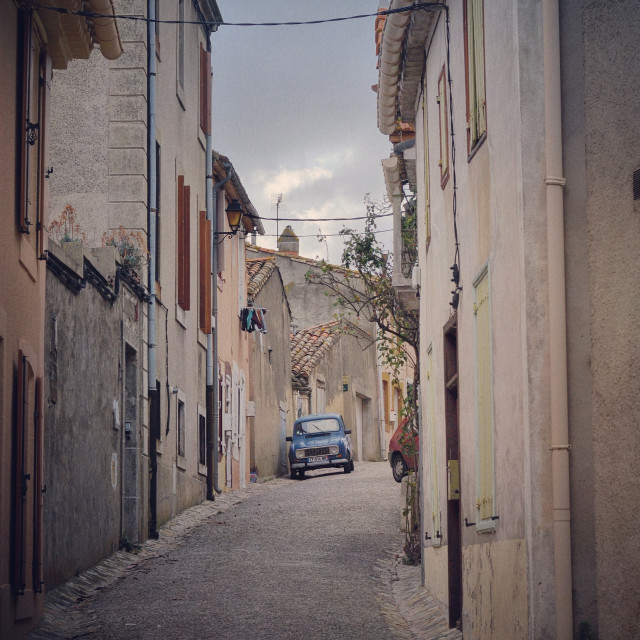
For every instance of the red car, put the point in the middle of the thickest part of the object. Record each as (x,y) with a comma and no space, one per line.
(403,451)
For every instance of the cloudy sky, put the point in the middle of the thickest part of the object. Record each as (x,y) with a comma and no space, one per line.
(294,111)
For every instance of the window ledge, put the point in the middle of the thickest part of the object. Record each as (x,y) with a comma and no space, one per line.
(181,462)
(181,316)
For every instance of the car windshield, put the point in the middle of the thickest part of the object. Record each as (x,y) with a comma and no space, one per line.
(321,425)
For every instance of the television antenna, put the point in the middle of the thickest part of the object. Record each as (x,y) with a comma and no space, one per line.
(277,202)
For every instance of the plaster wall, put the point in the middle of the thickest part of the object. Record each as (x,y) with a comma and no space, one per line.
(601,107)
(93,467)
(21,328)
(496,592)
(101,169)
(501,227)
(234,349)
(271,382)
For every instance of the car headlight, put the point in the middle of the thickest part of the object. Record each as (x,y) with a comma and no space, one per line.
(300,454)
(334,450)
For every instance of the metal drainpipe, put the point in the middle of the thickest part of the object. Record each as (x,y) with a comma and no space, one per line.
(557,322)
(151,158)
(212,338)
(153,395)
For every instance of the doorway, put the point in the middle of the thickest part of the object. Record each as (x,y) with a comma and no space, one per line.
(454,529)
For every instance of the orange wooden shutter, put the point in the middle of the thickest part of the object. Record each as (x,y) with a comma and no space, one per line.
(205,272)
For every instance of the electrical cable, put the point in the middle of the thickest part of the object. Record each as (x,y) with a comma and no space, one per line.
(324,235)
(382,215)
(426,6)
(455,268)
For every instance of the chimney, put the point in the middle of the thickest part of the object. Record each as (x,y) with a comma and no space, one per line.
(288,242)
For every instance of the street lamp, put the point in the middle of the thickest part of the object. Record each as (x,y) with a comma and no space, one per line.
(234,216)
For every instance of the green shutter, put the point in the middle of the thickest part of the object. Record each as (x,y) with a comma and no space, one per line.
(433,449)
(478,41)
(484,400)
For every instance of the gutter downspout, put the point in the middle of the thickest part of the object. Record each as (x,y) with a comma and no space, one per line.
(557,322)
(153,209)
(213,401)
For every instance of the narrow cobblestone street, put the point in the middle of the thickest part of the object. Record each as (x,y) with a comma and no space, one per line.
(318,558)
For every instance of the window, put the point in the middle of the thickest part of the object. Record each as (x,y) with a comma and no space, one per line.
(27,466)
(444,128)
(484,403)
(184,237)
(35,73)
(204,272)
(202,440)
(205,90)
(181,429)
(475,85)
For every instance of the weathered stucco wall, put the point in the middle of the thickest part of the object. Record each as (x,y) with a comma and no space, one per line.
(94,464)
(501,227)
(601,109)
(271,383)
(496,593)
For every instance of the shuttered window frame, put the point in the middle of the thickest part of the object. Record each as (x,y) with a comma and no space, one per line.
(436,534)
(184,247)
(475,74)
(204,255)
(444,127)
(485,476)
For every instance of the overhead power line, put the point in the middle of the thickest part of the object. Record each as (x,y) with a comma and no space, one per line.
(382,215)
(426,6)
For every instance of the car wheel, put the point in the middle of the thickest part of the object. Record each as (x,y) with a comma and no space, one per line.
(398,468)
(352,464)
(301,474)
(294,473)
(348,468)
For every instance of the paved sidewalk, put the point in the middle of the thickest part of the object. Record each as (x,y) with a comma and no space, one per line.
(409,611)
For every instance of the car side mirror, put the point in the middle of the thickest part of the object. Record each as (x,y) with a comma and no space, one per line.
(347,431)
(289,438)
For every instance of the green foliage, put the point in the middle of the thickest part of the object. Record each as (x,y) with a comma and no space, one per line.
(363,286)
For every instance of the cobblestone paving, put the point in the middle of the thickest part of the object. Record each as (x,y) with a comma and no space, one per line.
(407,609)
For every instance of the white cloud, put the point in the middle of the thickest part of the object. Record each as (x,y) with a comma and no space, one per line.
(288,180)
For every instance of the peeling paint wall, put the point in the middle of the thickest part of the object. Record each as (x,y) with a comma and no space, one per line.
(495,592)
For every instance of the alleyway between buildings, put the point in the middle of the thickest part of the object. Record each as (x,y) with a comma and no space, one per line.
(312,559)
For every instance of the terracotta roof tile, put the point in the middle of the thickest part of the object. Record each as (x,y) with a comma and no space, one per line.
(309,346)
(258,272)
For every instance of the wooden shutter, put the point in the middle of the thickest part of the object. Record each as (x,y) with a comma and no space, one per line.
(472,134)
(484,400)
(204,254)
(184,233)
(444,128)
(38,483)
(205,90)
(433,448)
(478,42)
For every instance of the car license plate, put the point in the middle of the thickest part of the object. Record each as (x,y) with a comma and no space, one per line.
(317,458)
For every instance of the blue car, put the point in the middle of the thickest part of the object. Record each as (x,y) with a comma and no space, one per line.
(320,442)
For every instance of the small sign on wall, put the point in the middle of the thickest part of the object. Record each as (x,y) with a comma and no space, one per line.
(251,409)
(345,383)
